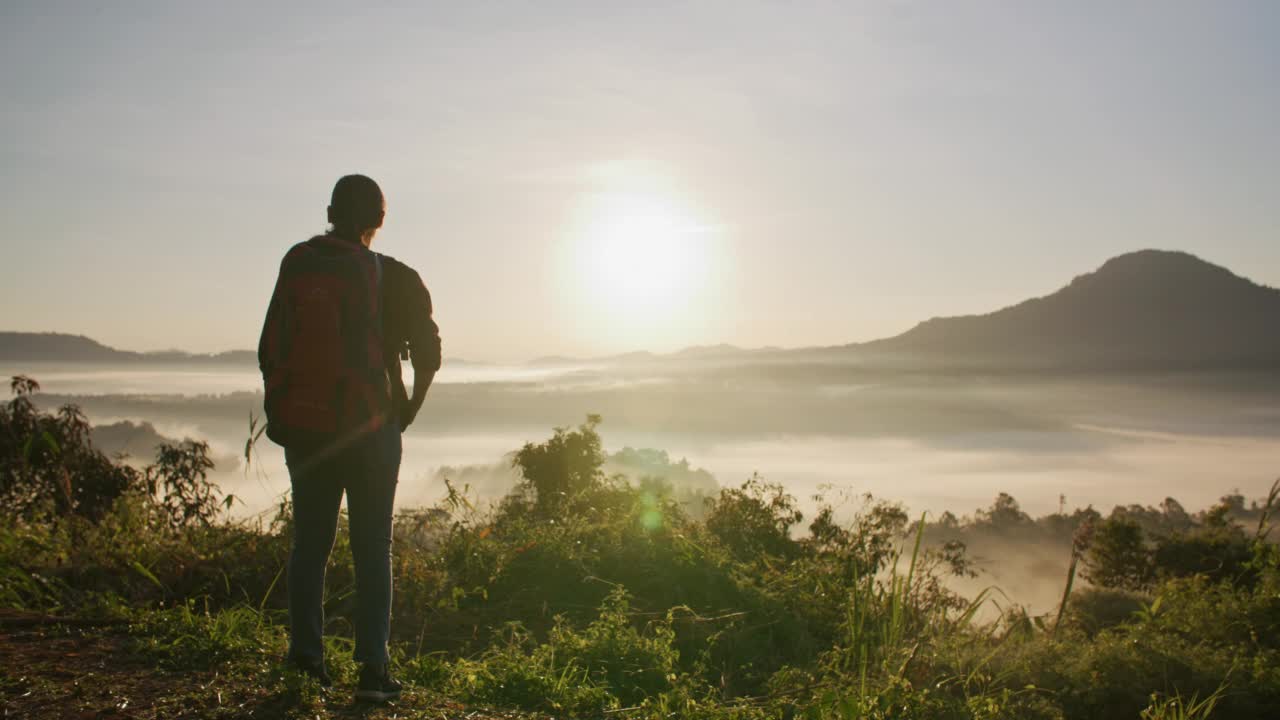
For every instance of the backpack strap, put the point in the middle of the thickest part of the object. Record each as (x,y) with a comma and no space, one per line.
(377,284)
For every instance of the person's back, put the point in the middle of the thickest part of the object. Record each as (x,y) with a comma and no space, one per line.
(329,356)
(322,349)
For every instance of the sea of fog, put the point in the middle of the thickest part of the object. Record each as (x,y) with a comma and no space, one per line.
(930,443)
(215,379)
(937,445)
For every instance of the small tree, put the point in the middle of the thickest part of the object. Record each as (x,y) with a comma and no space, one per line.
(1005,516)
(1118,555)
(560,469)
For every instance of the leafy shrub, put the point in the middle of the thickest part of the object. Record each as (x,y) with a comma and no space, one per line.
(180,480)
(1093,610)
(614,654)
(754,521)
(1220,552)
(517,672)
(47,463)
(608,664)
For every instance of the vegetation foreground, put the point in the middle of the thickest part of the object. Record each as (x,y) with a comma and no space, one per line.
(127,593)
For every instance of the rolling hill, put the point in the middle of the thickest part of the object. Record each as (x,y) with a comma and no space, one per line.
(62,347)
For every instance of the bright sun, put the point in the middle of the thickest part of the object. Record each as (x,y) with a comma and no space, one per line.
(642,260)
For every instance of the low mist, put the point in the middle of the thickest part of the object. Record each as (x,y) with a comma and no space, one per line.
(933,443)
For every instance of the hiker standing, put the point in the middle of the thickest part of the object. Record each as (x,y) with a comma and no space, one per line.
(340,320)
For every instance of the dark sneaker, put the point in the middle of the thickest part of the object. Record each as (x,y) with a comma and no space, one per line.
(313,669)
(377,685)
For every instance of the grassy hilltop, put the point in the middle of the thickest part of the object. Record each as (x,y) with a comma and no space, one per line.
(127,593)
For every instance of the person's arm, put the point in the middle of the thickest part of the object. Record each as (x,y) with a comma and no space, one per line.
(269,340)
(267,343)
(424,349)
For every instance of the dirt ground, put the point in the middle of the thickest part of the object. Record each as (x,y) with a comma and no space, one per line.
(86,672)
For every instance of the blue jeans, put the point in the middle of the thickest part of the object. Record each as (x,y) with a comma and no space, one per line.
(367,469)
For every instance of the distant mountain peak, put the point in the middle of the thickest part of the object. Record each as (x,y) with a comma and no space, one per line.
(1141,310)
(1153,274)
(1154,255)
(1158,264)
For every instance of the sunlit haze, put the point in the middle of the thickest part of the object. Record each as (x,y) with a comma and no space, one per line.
(640,267)
(585,178)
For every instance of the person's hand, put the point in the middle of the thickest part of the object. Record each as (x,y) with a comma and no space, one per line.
(409,406)
(407,412)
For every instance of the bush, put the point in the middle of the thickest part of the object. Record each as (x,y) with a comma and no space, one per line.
(754,522)
(47,464)
(1217,552)
(1093,610)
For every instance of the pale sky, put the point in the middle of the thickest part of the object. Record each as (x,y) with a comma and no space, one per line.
(580,178)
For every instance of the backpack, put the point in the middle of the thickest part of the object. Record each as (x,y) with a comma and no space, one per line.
(324,368)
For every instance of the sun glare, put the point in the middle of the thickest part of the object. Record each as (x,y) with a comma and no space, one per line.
(641,260)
